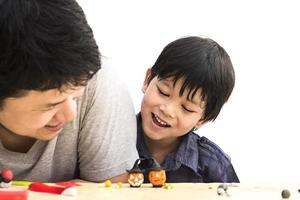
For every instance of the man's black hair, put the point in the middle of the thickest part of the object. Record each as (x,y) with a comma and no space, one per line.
(44,44)
(203,64)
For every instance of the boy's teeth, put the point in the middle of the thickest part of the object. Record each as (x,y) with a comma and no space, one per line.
(160,121)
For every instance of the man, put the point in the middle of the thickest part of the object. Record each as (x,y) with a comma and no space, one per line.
(60,119)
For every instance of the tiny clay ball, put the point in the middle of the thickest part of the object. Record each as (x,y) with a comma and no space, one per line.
(7,174)
(107,183)
(6,177)
(220,191)
(285,194)
(119,184)
(168,186)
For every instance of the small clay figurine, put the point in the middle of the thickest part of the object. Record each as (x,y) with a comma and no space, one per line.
(157,175)
(6,176)
(136,175)
(222,189)
(285,194)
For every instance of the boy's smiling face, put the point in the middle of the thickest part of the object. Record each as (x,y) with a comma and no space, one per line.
(167,115)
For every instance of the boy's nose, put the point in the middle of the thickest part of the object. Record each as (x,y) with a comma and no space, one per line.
(168,110)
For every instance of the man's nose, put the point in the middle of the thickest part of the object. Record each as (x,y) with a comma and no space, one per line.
(67,112)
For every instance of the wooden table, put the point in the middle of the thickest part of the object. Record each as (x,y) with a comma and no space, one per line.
(180,191)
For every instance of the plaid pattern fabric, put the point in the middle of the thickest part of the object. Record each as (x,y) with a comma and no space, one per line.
(197,159)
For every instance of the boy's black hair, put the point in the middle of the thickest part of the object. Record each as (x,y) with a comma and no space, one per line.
(44,44)
(204,65)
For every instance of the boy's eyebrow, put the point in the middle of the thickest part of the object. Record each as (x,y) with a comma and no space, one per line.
(166,82)
(194,102)
(169,83)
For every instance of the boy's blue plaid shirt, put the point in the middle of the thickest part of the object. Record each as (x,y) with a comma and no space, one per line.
(197,159)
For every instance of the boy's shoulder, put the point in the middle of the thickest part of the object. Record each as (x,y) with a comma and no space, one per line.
(213,163)
(207,149)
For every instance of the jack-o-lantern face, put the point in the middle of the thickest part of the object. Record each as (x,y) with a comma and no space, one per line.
(157,178)
(135,179)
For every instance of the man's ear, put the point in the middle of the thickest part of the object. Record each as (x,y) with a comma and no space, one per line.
(145,84)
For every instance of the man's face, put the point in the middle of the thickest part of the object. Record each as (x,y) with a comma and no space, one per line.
(165,114)
(40,115)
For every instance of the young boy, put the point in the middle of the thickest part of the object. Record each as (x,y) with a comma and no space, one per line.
(187,86)
(59,115)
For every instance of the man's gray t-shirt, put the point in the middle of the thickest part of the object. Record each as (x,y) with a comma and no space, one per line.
(97,145)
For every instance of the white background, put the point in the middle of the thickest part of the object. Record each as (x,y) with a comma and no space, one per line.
(258,127)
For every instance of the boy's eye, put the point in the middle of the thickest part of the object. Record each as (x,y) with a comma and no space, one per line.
(186,109)
(161,92)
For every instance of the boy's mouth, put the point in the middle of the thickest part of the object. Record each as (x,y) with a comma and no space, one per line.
(159,122)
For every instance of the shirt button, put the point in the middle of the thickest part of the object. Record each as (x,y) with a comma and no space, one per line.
(203,140)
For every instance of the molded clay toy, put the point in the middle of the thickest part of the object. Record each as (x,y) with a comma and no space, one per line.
(6,176)
(157,175)
(136,175)
(285,194)
(107,183)
(42,187)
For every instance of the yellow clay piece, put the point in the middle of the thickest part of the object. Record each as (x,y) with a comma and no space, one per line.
(21,183)
(107,183)
(119,184)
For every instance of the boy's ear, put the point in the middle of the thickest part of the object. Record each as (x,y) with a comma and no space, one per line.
(199,123)
(145,84)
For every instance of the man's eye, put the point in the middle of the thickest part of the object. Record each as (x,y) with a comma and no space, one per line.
(186,109)
(161,92)
(49,108)
(76,98)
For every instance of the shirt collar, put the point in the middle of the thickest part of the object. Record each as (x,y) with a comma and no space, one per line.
(186,154)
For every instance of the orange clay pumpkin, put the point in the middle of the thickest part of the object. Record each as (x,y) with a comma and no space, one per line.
(157,177)
(135,179)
